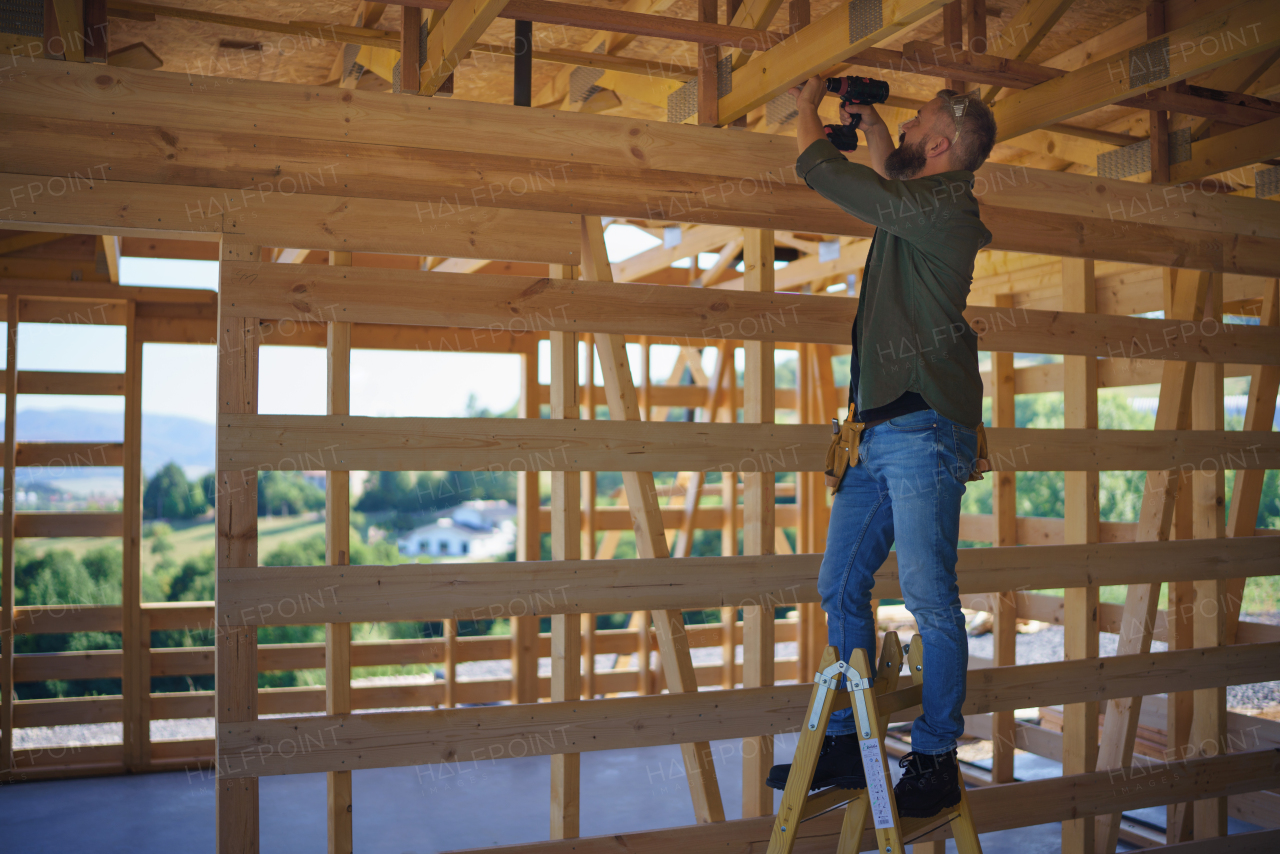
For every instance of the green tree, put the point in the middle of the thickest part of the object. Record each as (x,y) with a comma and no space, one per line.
(169,495)
(286,493)
(194,581)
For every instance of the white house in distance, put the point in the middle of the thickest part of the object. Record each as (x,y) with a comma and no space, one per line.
(474,529)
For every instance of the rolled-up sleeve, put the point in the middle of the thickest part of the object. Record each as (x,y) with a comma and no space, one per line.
(909,209)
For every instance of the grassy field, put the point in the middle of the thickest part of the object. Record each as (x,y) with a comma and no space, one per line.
(192,539)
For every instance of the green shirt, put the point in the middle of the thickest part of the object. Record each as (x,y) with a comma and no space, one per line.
(911,332)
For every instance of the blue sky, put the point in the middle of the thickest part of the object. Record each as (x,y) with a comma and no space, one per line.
(179,379)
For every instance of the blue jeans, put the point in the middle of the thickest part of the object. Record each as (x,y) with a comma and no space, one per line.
(905,488)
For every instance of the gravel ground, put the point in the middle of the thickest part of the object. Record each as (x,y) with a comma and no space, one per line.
(1033,648)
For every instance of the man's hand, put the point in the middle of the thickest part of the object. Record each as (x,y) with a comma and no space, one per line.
(810,94)
(870,118)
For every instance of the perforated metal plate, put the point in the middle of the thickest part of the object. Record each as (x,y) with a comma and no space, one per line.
(22,17)
(780,110)
(1267,182)
(865,17)
(1136,159)
(724,76)
(582,80)
(1149,63)
(395,77)
(683,102)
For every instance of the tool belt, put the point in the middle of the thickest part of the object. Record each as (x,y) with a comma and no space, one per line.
(845,438)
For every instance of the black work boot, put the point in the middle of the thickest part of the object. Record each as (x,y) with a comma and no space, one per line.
(839,764)
(929,784)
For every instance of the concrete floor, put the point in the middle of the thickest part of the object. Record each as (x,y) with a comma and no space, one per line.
(413,810)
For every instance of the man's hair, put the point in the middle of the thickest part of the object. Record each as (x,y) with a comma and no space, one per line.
(977,130)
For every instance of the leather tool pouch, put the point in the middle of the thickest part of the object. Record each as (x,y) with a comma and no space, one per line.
(843,451)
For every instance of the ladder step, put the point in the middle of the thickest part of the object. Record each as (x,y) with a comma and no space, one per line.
(827,799)
(913,827)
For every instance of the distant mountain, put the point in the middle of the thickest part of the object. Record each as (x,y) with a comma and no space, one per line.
(185,441)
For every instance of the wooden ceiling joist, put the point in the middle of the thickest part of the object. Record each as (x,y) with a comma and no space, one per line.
(607,166)
(1235,32)
(811,51)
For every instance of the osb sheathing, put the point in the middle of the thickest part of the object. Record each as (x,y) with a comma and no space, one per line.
(193,47)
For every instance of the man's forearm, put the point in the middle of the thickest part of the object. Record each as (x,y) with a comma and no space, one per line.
(809,128)
(880,146)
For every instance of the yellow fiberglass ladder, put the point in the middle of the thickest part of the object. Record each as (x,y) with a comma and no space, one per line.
(872,703)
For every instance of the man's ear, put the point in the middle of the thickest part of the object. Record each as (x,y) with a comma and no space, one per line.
(938,146)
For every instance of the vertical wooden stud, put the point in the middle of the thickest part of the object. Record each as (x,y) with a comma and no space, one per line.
(1004,508)
(7,634)
(524,630)
(1208,488)
(337,529)
(236,647)
(136,682)
(410,52)
(1081,525)
(758,525)
(566,544)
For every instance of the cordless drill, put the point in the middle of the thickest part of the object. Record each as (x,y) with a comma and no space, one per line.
(853,90)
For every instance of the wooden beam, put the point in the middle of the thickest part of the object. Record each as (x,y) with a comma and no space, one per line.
(1081,525)
(461,26)
(758,527)
(555,93)
(236,507)
(524,627)
(7,533)
(1004,509)
(1229,151)
(1024,32)
(814,49)
(625,22)
(337,524)
(315,30)
(566,544)
(708,64)
(410,50)
(525,304)
(135,638)
(396,739)
(1235,32)
(664,184)
(390,593)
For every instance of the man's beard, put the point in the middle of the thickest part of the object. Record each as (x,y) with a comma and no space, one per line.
(905,161)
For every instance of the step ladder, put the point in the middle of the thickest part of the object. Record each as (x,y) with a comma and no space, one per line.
(872,702)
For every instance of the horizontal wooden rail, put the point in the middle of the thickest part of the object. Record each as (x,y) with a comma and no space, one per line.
(709,517)
(608,166)
(1001,807)
(292,595)
(193,661)
(531,304)
(304,700)
(65,382)
(70,617)
(294,745)
(311,220)
(70,454)
(32,524)
(342,442)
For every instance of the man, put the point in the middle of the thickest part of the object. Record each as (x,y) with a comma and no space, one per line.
(915,395)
